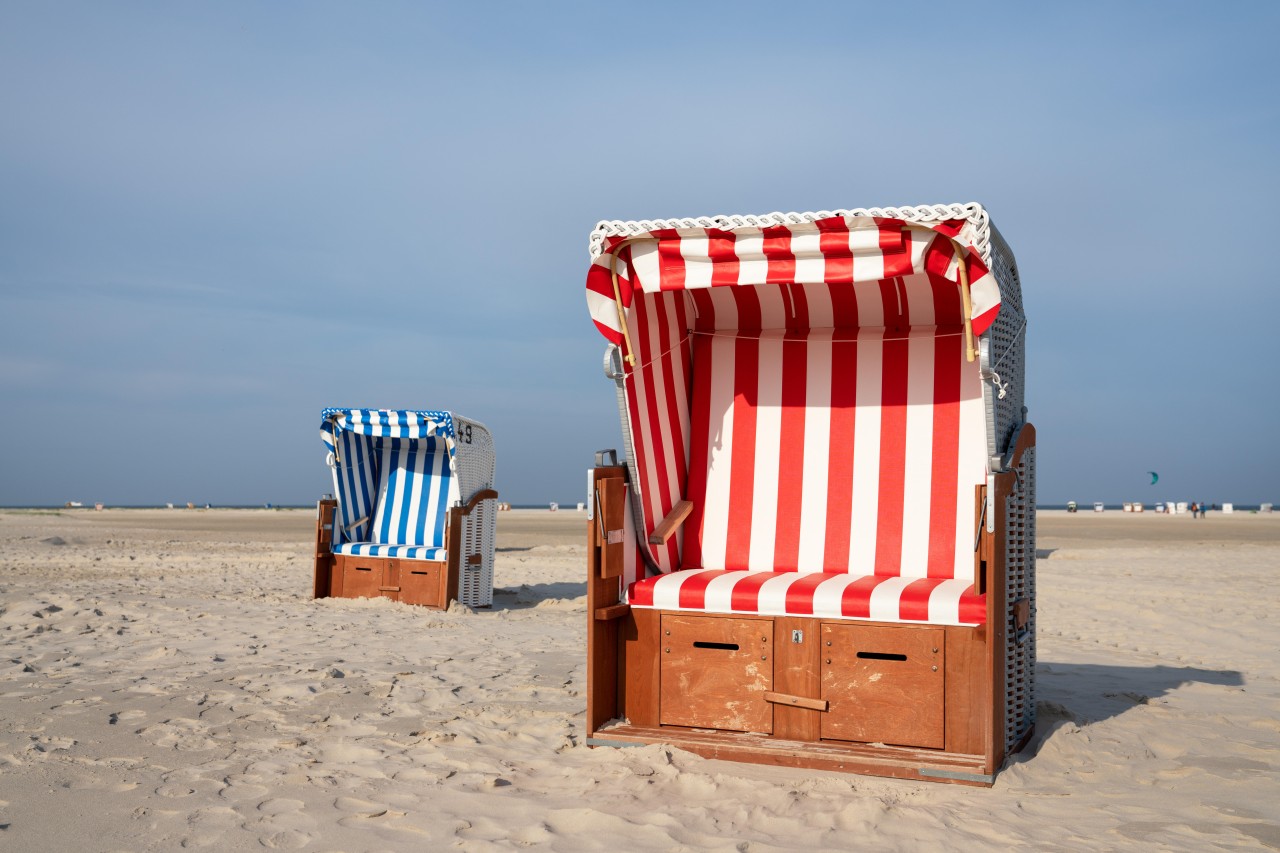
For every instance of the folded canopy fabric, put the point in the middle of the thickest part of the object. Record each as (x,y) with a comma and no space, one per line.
(385,423)
(836,250)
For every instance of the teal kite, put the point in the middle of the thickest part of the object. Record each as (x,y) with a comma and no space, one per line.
(1155,478)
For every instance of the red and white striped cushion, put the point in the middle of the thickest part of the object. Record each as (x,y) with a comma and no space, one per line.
(935,601)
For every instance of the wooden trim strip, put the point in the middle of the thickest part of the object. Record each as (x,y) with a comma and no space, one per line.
(796,701)
(614,611)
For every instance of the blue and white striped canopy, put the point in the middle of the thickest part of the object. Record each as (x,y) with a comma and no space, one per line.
(385,423)
(392,472)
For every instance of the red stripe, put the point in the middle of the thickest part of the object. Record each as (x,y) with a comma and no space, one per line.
(673,452)
(722,250)
(800,593)
(693,591)
(746,385)
(855,601)
(948,309)
(704,310)
(699,430)
(913,603)
(973,608)
(836,255)
(844,387)
(671,266)
(893,456)
(641,593)
(948,360)
(895,246)
(791,449)
(746,592)
(777,251)
(657,490)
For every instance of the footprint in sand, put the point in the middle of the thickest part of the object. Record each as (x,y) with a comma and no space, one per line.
(284,826)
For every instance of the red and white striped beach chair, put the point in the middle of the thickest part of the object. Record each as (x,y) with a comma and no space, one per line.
(819,549)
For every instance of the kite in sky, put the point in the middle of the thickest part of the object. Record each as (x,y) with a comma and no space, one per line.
(1155,478)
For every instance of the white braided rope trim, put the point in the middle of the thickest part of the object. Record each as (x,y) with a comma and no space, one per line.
(978,230)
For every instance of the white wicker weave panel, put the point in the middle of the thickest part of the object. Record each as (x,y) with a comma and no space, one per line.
(976,233)
(1004,352)
(1020,564)
(476,467)
(475,586)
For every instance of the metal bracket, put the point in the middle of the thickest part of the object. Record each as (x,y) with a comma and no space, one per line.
(797,636)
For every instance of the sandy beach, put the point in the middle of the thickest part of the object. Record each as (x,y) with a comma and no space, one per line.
(166,681)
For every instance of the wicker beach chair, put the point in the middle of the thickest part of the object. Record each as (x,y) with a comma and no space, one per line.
(414,509)
(819,547)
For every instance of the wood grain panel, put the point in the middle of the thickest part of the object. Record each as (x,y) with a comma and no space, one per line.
(715,672)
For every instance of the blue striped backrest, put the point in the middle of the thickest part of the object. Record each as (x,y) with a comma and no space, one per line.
(413,492)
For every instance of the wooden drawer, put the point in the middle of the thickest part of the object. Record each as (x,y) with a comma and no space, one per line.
(364,577)
(421,582)
(715,671)
(884,684)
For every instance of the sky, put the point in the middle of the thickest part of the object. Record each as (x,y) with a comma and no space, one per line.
(218,218)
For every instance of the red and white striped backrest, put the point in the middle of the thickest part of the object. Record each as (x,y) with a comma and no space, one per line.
(833,430)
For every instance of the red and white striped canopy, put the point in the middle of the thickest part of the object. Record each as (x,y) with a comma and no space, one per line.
(833,251)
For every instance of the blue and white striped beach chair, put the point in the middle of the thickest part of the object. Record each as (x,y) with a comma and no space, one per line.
(413,512)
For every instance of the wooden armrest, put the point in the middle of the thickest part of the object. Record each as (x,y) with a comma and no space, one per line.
(482,495)
(671,523)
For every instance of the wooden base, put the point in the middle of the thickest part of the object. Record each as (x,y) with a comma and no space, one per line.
(868,759)
(422,582)
(428,583)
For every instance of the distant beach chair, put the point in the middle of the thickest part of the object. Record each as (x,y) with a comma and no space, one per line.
(819,547)
(414,510)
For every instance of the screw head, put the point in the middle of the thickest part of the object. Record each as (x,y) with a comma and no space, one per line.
(935,668)
(828,660)
(668,651)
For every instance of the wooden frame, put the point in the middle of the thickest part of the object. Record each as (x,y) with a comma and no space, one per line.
(429,583)
(801,704)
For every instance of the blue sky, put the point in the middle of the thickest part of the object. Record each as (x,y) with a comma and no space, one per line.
(216,219)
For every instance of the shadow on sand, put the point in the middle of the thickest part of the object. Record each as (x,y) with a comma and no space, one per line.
(1083,694)
(531,595)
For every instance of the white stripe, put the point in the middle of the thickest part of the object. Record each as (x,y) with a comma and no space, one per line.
(773,593)
(885,597)
(865,504)
(806,245)
(972,458)
(715,524)
(818,299)
(774,307)
(644,263)
(868,259)
(697,260)
(817,450)
(828,595)
(944,602)
(769,438)
(917,474)
(749,247)
(919,295)
(870,306)
(666,590)
(719,593)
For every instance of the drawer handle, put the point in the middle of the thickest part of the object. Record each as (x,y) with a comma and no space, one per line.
(728,647)
(881,656)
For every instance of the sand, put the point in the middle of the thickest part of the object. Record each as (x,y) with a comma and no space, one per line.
(166,682)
